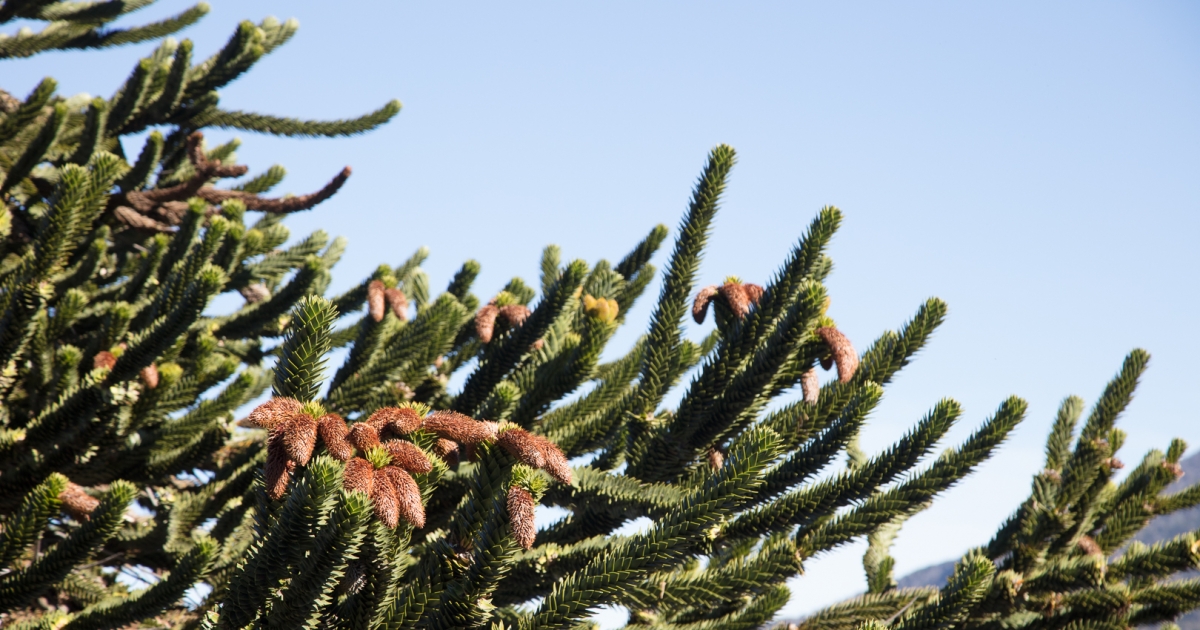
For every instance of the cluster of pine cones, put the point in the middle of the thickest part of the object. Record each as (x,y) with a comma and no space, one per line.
(740,297)
(380,463)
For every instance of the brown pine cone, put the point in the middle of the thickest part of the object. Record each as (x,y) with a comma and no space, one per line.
(376,300)
(520,516)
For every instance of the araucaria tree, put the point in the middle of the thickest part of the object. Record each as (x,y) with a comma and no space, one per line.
(371,496)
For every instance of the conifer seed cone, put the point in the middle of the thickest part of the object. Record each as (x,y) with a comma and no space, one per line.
(843,352)
(376,300)
(716,459)
(514,315)
(272,412)
(485,322)
(700,304)
(299,437)
(810,385)
(754,292)
(520,516)
(398,303)
(149,376)
(359,476)
(363,436)
(384,500)
(77,503)
(104,360)
(408,456)
(409,495)
(522,445)
(400,420)
(333,430)
(278,469)
(556,462)
(736,298)
(447,450)
(462,429)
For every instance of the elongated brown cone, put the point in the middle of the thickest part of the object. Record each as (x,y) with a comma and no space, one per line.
(255,293)
(409,494)
(462,429)
(299,437)
(278,469)
(398,303)
(408,456)
(104,360)
(700,305)
(754,292)
(384,500)
(333,430)
(843,352)
(149,376)
(77,503)
(514,314)
(485,322)
(272,413)
(810,385)
(556,462)
(359,475)
(735,296)
(524,446)
(376,300)
(716,459)
(400,420)
(1088,545)
(447,450)
(363,436)
(520,516)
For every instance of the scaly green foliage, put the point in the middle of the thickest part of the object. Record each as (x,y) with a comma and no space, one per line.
(374,496)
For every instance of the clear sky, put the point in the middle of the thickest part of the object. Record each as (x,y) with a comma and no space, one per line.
(1036,165)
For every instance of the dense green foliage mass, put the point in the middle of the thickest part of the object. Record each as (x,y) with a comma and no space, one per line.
(372,496)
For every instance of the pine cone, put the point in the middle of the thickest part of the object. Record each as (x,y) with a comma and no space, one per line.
(520,516)
(556,462)
(716,459)
(409,495)
(255,293)
(278,469)
(408,456)
(754,292)
(447,450)
(333,431)
(149,376)
(536,451)
(363,436)
(462,429)
(514,315)
(77,503)
(522,445)
(843,352)
(104,360)
(299,437)
(735,296)
(485,322)
(400,420)
(810,386)
(700,305)
(398,303)
(376,300)
(359,476)
(272,412)
(384,499)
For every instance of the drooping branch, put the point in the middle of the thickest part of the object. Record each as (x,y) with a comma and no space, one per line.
(163,208)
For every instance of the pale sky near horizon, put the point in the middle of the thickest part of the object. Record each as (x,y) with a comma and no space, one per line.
(1033,164)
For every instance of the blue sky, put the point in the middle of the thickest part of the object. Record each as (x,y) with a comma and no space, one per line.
(1033,164)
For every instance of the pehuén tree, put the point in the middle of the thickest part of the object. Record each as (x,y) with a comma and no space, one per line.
(372,496)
